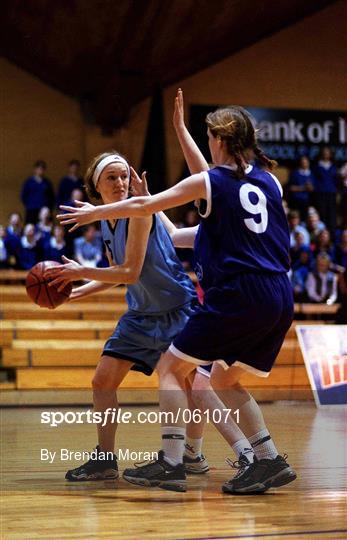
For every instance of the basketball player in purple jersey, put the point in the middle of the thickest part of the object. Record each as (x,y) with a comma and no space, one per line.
(242,253)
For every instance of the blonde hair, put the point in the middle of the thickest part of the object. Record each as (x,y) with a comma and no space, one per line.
(89,186)
(235,127)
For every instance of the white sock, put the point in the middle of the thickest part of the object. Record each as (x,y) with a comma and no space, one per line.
(193,447)
(173,439)
(243,446)
(263,445)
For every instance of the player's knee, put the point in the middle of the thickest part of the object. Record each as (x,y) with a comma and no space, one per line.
(102,381)
(200,385)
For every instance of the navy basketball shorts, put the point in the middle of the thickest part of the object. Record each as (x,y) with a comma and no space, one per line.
(242,324)
(141,338)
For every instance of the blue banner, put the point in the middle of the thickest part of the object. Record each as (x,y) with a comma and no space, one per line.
(286,134)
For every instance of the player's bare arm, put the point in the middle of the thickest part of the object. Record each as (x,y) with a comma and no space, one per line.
(126,273)
(88,289)
(192,154)
(187,190)
(92,287)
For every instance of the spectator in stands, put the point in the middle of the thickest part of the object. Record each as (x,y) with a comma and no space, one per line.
(296,249)
(44,225)
(55,248)
(313,224)
(323,244)
(341,250)
(76,195)
(300,271)
(341,315)
(29,253)
(88,248)
(15,225)
(294,226)
(4,254)
(300,186)
(14,232)
(71,181)
(321,284)
(37,192)
(325,188)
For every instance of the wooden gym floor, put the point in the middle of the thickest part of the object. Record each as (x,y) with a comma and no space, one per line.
(38,503)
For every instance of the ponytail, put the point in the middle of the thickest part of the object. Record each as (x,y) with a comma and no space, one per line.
(264,160)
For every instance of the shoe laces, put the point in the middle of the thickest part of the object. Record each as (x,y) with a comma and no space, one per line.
(240,464)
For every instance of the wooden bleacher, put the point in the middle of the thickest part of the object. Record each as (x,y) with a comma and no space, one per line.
(59,349)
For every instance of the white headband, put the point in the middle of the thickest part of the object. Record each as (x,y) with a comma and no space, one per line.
(106,161)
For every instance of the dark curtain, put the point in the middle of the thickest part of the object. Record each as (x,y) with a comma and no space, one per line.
(154,153)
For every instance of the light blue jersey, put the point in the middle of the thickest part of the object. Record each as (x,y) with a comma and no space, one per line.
(163,285)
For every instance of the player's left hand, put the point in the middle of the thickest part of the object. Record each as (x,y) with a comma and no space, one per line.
(81,214)
(178,115)
(61,275)
(138,186)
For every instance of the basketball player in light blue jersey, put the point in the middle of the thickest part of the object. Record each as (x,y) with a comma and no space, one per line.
(160,298)
(242,253)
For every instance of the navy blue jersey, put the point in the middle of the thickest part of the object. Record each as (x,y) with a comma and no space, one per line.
(163,285)
(244,228)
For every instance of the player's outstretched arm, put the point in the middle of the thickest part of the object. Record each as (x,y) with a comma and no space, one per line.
(187,190)
(192,154)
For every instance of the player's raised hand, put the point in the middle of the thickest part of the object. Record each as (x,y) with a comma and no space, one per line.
(79,215)
(138,186)
(178,115)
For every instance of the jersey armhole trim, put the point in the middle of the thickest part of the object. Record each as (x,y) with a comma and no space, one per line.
(208,195)
(277,182)
(154,222)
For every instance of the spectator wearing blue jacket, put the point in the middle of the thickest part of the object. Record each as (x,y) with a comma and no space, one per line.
(37,192)
(294,227)
(44,225)
(4,253)
(300,185)
(341,250)
(14,232)
(88,248)
(300,271)
(29,250)
(71,181)
(55,247)
(325,188)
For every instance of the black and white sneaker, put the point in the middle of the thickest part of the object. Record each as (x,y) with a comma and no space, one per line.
(198,465)
(158,473)
(95,469)
(259,476)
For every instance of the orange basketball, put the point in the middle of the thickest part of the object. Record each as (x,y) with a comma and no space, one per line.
(39,291)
